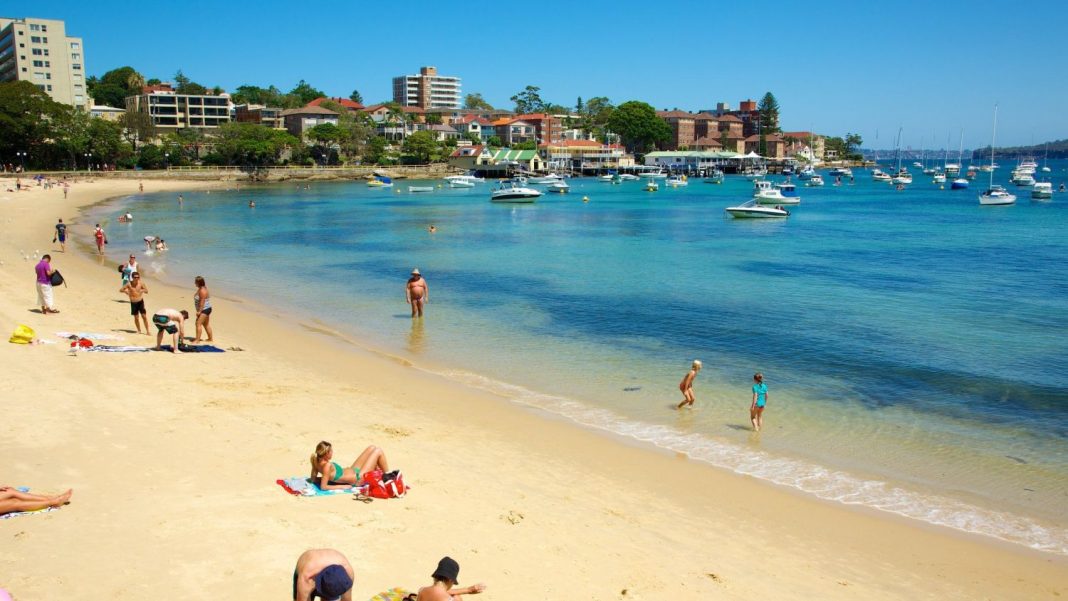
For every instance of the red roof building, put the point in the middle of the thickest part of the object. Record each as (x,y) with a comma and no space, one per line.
(345,102)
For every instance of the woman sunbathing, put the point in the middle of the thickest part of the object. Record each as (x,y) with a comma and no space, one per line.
(331,476)
(12,500)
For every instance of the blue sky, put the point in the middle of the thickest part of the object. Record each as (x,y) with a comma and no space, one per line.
(929,67)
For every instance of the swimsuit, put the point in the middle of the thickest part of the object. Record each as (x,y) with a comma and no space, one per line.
(137,307)
(338,471)
(206,309)
(761,391)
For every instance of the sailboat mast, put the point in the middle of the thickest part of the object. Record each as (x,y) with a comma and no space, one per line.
(993,138)
(960,151)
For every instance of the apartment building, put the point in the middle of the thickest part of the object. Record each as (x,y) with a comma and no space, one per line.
(39,51)
(258,113)
(427,90)
(170,110)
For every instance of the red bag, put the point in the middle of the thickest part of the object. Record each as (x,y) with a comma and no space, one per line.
(385,486)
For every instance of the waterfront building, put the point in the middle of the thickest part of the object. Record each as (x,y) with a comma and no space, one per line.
(514,131)
(107,113)
(707,143)
(774,144)
(39,51)
(475,124)
(805,144)
(547,128)
(258,113)
(443,132)
(427,90)
(682,128)
(690,160)
(469,158)
(585,155)
(170,110)
(301,120)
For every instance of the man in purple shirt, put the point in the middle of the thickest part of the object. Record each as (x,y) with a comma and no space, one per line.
(44,284)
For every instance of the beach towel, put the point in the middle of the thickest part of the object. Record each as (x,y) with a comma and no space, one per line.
(90,335)
(15,514)
(394,594)
(117,349)
(306,488)
(189,348)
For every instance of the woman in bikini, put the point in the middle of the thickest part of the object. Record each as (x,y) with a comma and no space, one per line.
(332,476)
(202,303)
(12,500)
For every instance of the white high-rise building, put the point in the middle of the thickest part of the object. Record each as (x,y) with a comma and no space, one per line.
(39,51)
(428,90)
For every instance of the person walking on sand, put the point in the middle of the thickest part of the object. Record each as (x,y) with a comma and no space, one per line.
(686,385)
(101,239)
(202,304)
(760,398)
(416,293)
(44,271)
(323,573)
(140,186)
(13,499)
(171,321)
(61,236)
(136,290)
(444,580)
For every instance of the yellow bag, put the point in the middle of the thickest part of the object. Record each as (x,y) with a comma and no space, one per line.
(23,335)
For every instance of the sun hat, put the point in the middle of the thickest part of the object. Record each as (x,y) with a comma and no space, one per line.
(332,582)
(415,271)
(447,569)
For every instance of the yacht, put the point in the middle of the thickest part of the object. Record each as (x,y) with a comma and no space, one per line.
(1028,166)
(753,210)
(952,168)
(841,172)
(559,187)
(658,174)
(716,177)
(879,175)
(902,177)
(766,194)
(787,189)
(917,164)
(815,181)
(995,195)
(460,183)
(1042,191)
(939,178)
(546,179)
(1022,179)
(514,193)
(629,177)
(806,173)
(755,173)
(463,178)
(677,180)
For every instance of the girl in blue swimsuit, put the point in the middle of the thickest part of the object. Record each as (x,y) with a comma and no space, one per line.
(331,476)
(760,398)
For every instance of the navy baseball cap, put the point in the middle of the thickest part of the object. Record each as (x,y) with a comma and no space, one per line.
(332,582)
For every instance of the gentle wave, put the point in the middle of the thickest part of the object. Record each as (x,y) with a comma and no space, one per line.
(822,482)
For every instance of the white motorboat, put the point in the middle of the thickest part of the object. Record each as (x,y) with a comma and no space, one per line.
(880,176)
(815,181)
(930,171)
(418,189)
(716,177)
(546,179)
(463,178)
(1042,191)
(1028,166)
(939,178)
(902,177)
(676,180)
(629,177)
(952,168)
(767,194)
(514,194)
(559,187)
(841,172)
(917,164)
(651,185)
(755,173)
(807,173)
(753,210)
(1022,179)
(658,174)
(461,183)
(960,183)
(996,195)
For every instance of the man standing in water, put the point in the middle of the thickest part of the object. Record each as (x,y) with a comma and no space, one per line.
(760,398)
(416,293)
(686,385)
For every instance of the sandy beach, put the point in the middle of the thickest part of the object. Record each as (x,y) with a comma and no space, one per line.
(173,461)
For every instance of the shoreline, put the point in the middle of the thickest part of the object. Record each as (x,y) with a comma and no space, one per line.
(620,495)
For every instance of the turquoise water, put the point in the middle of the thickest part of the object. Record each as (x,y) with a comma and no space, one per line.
(914,343)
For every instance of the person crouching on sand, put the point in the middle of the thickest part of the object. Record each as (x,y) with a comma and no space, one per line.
(331,476)
(171,321)
(760,398)
(686,385)
(444,580)
(323,573)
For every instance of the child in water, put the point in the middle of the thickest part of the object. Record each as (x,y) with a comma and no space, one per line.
(760,398)
(686,385)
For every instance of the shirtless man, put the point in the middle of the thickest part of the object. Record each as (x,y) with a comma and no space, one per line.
(173,322)
(137,290)
(322,573)
(416,293)
(686,385)
(444,580)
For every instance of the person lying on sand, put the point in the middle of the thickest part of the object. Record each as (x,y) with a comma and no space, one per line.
(12,500)
(326,471)
(444,580)
(323,573)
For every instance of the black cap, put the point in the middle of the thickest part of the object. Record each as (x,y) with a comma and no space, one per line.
(448,569)
(332,582)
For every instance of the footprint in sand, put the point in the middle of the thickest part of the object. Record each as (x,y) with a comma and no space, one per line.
(513,517)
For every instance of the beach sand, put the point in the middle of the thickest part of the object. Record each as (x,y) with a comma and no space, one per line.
(173,461)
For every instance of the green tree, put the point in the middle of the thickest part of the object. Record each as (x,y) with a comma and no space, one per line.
(250,144)
(527,145)
(528,101)
(356,97)
(579,107)
(433,118)
(473,137)
(375,152)
(180,81)
(114,86)
(323,137)
(475,102)
(305,92)
(28,119)
(638,126)
(153,82)
(852,146)
(494,142)
(769,114)
(138,127)
(421,146)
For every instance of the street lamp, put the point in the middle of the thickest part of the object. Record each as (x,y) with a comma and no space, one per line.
(89,161)
(22,157)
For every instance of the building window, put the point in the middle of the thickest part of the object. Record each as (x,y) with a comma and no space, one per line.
(38,63)
(37,52)
(35,27)
(49,88)
(48,76)
(76,56)
(44,28)
(46,51)
(76,66)
(75,46)
(78,99)
(34,39)
(41,85)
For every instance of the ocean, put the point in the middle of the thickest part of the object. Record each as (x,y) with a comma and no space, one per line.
(915,344)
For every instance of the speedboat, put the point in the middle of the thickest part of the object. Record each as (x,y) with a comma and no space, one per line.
(651,185)
(380,181)
(939,178)
(880,176)
(815,181)
(753,210)
(416,189)
(917,164)
(755,173)
(546,179)
(842,172)
(716,177)
(658,174)
(902,177)
(1022,179)
(1046,170)
(677,180)
(996,195)
(514,194)
(929,171)
(629,177)
(461,183)
(959,183)
(559,187)
(787,189)
(463,178)
(1028,166)
(1042,191)
(806,173)
(767,194)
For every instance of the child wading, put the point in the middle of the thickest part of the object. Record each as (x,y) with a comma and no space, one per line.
(760,398)
(686,385)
